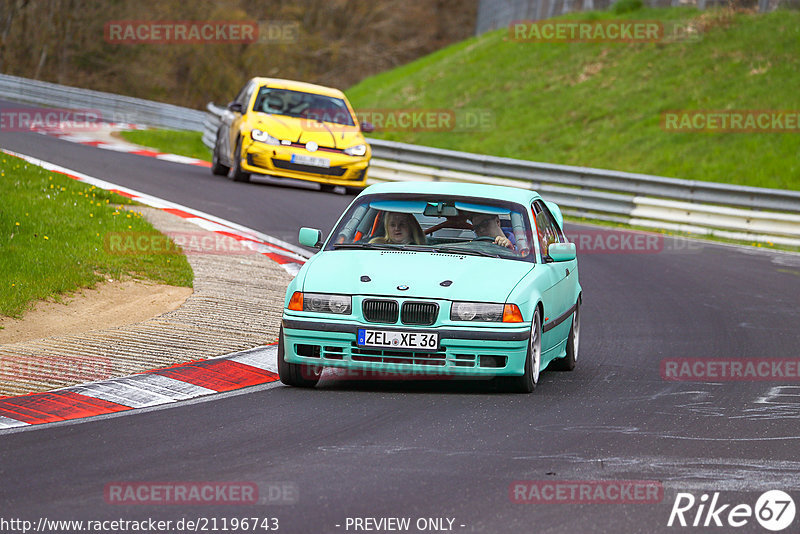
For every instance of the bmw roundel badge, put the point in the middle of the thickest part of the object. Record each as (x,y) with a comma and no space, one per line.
(402,287)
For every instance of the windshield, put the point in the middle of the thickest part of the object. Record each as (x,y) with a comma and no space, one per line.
(304,105)
(440,224)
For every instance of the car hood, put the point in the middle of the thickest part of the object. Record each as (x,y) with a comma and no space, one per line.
(473,278)
(299,130)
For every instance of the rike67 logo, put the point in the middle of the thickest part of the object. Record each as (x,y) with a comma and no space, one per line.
(774,510)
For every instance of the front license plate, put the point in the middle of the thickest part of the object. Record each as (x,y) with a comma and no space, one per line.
(397,339)
(311,160)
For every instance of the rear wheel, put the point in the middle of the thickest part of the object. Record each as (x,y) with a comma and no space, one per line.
(238,175)
(567,363)
(293,374)
(216,165)
(527,382)
(327,188)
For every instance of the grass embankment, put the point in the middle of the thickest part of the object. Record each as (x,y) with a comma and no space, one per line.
(600,104)
(54,233)
(179,142)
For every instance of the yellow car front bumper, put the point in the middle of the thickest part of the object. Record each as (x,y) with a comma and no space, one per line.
(276,160)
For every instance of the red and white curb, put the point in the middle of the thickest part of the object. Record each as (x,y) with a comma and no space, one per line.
(92,140)
(152,388)
(159,386)
(289,256)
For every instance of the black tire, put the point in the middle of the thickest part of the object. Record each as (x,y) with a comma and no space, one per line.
(327,188)
(568,362)
(527,382)
(237,174)
(293,374)
(217,168)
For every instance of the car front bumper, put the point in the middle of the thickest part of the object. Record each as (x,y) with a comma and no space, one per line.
(275,160)
(463,351)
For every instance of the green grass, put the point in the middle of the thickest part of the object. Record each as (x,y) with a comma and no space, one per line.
(179,142)
(53,234)
(600,104)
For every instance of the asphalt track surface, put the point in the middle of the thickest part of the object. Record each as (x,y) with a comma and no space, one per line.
(355,449)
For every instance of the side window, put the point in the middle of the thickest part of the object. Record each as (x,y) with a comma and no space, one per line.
(547,230)
(244,95)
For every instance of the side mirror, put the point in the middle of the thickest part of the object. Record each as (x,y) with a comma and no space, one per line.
(235,106)
(311,237)
(562,251)
(367,127)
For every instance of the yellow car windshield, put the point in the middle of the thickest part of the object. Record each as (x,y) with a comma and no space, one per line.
(305,105)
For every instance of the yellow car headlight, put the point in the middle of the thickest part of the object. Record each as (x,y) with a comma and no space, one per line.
(263,137)
(358,150)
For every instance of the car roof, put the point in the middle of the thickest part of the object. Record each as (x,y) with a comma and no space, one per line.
(499,192)
(299,86)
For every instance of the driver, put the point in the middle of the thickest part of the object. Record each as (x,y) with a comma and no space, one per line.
(488,225)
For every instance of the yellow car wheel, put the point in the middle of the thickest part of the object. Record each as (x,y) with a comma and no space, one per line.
(238,175)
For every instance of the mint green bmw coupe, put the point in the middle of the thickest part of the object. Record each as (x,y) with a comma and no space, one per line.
(437,279)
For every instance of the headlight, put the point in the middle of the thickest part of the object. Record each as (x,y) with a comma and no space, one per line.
(358,150)
(476,311)
(484,311)
(322,303)
(263,137)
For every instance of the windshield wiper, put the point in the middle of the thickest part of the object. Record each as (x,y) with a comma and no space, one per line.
(416,248)
(383,246)
(380,246)
(466,251)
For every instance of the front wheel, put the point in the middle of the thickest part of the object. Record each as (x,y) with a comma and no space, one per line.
(527,382)
(293,374)
(217,167)
(238,174)
(567,363)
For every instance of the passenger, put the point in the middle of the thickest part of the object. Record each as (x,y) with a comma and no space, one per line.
(401,229)
(488,225)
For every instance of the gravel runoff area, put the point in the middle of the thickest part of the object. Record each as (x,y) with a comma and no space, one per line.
(236,305)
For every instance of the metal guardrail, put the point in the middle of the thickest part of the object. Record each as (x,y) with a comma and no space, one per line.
(725,210)
(112,108)
(738,212)
(590,179)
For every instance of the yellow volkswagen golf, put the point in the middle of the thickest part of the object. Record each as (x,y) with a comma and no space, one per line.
(292,130)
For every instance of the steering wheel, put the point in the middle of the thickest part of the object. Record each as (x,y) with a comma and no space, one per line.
(484,238)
